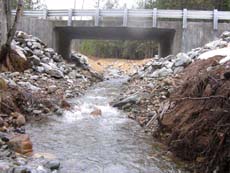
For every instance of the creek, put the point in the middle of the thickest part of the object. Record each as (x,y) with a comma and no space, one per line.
(108,143)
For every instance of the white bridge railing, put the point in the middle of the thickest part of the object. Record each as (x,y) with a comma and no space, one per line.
(126,14)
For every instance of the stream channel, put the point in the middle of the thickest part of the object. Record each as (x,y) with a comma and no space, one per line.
(110,143)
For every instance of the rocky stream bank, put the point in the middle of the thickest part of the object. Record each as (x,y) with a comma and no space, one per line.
(184,101)
(35,83)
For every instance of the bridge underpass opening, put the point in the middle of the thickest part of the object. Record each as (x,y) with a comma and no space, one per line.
(64,36)
(118,49)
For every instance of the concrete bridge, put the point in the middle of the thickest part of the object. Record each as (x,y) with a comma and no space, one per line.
(174,30)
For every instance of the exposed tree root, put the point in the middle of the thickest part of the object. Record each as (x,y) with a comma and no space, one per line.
(198,127)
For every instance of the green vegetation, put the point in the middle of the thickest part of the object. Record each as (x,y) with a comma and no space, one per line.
(190,4)
(142,49)
(119,49)
(30,4)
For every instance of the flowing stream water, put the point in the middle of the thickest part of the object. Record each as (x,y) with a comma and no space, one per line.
(110,143)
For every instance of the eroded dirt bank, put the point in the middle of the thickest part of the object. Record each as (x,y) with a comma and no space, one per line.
(183,100)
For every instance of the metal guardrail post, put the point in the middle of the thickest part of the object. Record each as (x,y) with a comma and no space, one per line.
(97,17)
(185,18)
(154,17)
(70,15)
(125,18)
(215,19)
(45,13)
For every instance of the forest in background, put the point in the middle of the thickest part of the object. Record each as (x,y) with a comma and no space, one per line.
(142,49)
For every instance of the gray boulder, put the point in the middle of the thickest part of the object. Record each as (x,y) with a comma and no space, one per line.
(182,60)
(178,69)
(57,58)
(35,60)
(56,73)
(131,100)
(162,72)
(39,69)
(53,164)
(216,44)
(36,45)
(225,34)
(28,86)
(45,59)
(80,60)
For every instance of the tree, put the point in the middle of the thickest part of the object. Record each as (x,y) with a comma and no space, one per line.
(98,3)
(191,4)
(9,28)
(111,4)
(118,48)
(30,4)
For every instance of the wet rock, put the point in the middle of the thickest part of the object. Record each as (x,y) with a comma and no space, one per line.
(4,137)
(97,112)
(131,99)
(21,144)
(53,165)
(59,112)
(21,169)
(65,104)
(20,121)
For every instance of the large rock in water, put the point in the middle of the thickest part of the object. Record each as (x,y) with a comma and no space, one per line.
(21,144)
(53,164)
(131,99)
(20,119)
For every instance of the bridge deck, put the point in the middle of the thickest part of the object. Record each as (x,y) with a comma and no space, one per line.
(127,14)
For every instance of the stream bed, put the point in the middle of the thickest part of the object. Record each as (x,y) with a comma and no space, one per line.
(107,143)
